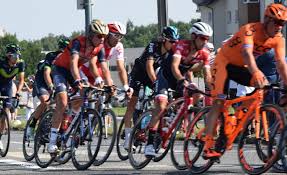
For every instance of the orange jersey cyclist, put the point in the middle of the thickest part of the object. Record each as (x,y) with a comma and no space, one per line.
(79,51)
(236,59)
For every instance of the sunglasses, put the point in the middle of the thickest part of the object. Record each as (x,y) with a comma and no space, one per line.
(279,22)
(203,38)
(100,36)
(172,41)
(14,55)
(116,35)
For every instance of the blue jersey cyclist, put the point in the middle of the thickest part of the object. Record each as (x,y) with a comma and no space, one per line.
(10,66)
(43,85)
(143,72)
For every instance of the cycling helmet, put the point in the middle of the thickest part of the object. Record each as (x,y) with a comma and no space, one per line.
(170,32)
(63,43)
(117,27)
(201,28)
(98,27)
(276,11)
(13,48)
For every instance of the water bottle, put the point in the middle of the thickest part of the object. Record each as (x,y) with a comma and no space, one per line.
(145,121)
(230,124)
(66,121)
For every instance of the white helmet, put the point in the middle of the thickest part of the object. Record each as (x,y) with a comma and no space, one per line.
(201,28)
(117,27)
(210,46)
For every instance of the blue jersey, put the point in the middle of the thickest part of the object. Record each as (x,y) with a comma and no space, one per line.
(7,73)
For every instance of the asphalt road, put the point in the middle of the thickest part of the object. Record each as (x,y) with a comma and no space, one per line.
(14,163)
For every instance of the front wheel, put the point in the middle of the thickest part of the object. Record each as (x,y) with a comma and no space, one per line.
(28,140)
(267,150)
(4,133)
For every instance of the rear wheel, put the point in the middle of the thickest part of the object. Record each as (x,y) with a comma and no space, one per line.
(4,133)
(28,139)
(266,151)
(122,153)
(138,140)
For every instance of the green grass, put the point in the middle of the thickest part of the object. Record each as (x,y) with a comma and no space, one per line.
(120,111)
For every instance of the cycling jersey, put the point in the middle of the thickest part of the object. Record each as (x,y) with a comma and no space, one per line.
(77,46)
(249,36)
(182,49)
(138,75)
(7,73)
(105,54)
(40,87)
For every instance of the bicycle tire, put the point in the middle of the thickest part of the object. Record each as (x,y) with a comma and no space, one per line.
(276,140)
(88,139)
(100,160)
(192,139)
(173,156)
(28,155)
(119,142)
(5,132)
(42,138)
(138,139)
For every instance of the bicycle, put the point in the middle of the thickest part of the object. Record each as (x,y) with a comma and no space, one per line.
(5,125)
(82,131)
(145,102)
(164,136)
(250,122)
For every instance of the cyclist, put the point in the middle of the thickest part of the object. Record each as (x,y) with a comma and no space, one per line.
(236,59)
(43,85)
(80,50)
(188,56)
(143,72)
(113,49)
(10,66)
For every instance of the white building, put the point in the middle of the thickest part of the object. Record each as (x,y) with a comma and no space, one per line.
(226,16)
(2,31)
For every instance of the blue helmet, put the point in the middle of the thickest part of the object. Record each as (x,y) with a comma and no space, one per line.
(170,32)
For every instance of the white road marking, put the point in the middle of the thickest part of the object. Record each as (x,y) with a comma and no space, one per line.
(22,164)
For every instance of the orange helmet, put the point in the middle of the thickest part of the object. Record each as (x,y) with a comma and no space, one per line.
(276,11)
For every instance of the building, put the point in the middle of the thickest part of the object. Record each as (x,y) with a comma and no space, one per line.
(226,16)
(2,31)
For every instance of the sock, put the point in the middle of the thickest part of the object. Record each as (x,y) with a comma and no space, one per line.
(53,136)
(150,139)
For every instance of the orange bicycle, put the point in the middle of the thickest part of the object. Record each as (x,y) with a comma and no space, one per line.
(260,127)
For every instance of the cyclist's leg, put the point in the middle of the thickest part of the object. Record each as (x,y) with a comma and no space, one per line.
(135,84)
(60,83)
(161,101)
(219,77)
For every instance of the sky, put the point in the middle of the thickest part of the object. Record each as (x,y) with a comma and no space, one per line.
(34,19)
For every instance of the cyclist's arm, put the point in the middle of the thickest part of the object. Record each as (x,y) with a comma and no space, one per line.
(249,59)
(150,69)
(47,76)
(106,73)
(74,66)
(122,72)
(93,67)
(21,82)
(280,60)
(175,67)
(207,75)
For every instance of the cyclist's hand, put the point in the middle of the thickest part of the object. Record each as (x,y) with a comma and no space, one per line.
(258,79)
(99,82)
(78,84)
(18,96)
(129,91)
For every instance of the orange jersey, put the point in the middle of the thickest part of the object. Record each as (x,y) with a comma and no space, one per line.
(252,35)
(64,59)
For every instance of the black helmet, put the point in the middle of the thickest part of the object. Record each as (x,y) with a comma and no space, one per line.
(13,48)
(170,32)
(63,43)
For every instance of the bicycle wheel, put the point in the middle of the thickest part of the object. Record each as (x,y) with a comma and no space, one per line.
(194,143)
(42,138)
(86,139)
(281,165)
(266,152)
(138,140)
(122,153)
(28,140)
(4,133)
(176,149)
(109,121)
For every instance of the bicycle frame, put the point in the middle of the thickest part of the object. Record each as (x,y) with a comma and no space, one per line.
(256,100)
(181,112)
